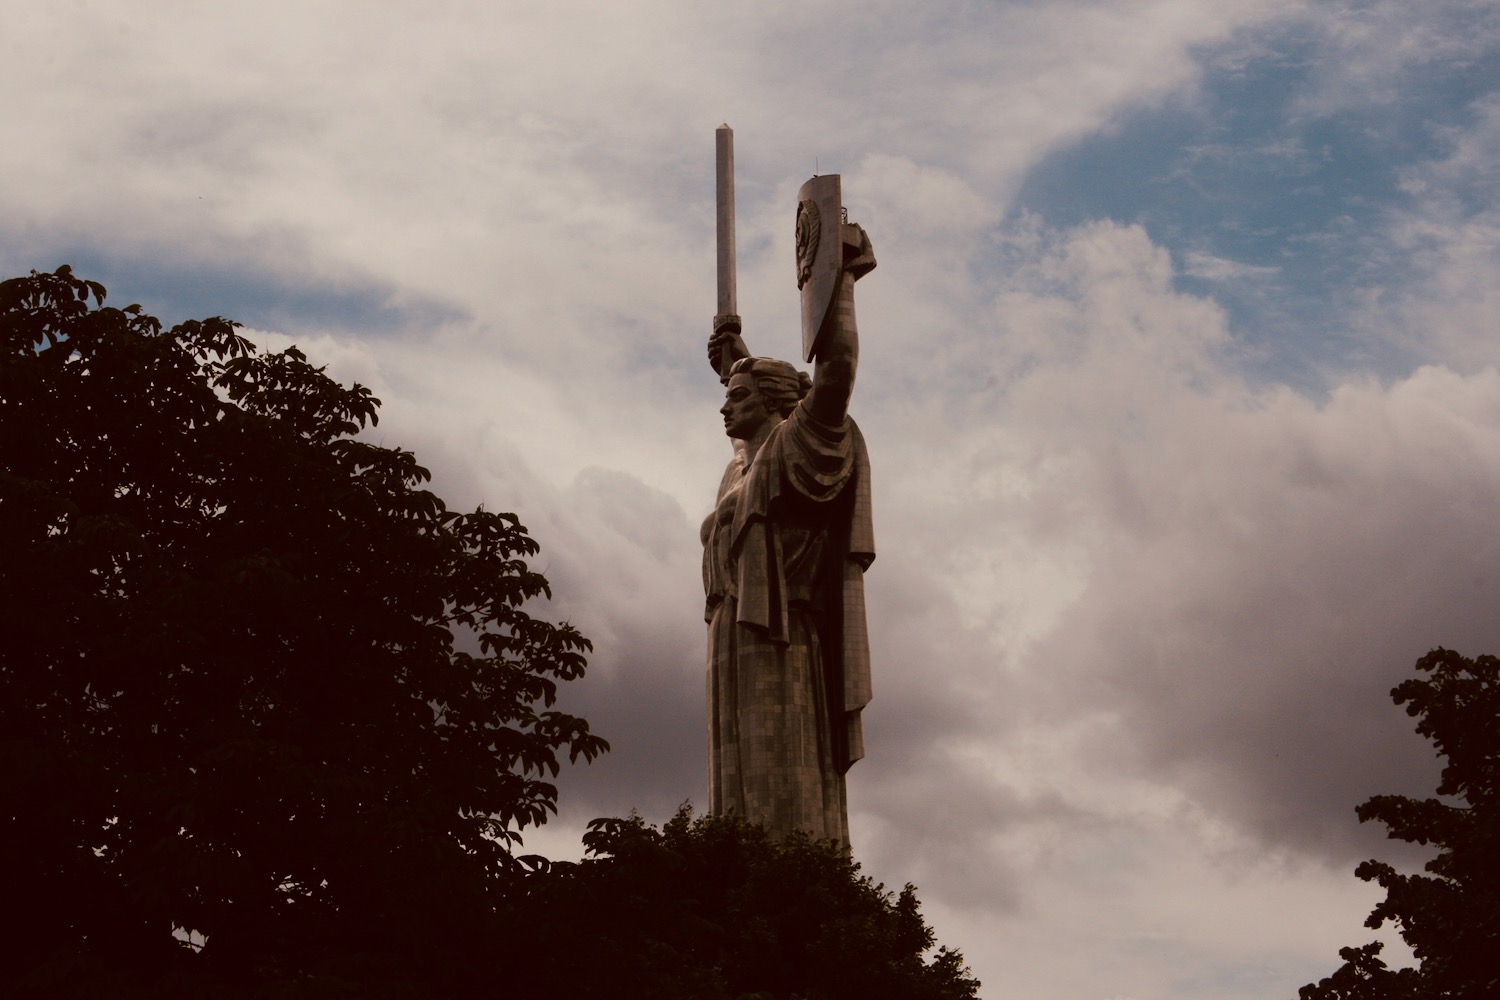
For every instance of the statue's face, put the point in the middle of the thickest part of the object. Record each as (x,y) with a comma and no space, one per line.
(744,408)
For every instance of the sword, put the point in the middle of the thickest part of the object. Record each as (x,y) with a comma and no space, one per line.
(727,317)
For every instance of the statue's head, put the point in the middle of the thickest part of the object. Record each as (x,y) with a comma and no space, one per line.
(759,394)
(779,384)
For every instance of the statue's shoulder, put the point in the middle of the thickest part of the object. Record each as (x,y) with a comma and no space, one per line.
(804,424)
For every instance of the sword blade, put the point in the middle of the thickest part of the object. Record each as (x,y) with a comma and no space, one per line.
(724,149)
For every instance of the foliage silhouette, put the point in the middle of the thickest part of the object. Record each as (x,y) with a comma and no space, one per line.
(271,715)
(715,909)
(1450,917)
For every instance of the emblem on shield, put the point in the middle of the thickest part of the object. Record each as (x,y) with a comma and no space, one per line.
(808,230)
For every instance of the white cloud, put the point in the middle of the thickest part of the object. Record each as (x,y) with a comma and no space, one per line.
(1368,52)
(1448,237)
(1201,264)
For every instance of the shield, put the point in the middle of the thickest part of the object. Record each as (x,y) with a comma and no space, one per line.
(820,252)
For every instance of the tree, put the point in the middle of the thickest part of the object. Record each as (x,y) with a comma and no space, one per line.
(714,909)
(271,715)
(1449,917)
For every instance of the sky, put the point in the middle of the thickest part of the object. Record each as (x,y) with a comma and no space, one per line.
(1178,375)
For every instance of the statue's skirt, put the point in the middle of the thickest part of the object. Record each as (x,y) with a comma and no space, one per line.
(769,748)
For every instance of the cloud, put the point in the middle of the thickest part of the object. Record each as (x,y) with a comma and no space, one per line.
(1369,52)
(1448,238)
(1199,521)
(1200,264)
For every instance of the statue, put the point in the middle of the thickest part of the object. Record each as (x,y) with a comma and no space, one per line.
(785,550)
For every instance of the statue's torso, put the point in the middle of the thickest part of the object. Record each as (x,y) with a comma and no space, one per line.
(801,532)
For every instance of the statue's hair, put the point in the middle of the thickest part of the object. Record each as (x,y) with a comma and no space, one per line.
(779,383)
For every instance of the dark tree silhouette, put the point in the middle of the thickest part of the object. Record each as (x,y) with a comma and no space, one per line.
(1449,917)
(714,909)
(271,715)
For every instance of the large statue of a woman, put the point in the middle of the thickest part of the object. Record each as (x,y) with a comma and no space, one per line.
(784,555)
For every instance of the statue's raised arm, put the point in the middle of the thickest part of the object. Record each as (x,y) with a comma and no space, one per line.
(837,344)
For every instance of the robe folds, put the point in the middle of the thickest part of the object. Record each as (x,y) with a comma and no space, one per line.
(788,654)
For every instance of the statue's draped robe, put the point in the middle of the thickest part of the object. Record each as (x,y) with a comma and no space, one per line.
(788,655)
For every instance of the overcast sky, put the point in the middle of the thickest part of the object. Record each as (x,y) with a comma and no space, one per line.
(1178,376)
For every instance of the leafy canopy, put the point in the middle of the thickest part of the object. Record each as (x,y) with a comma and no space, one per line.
(1449,917)
(269,711)
(715,909)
